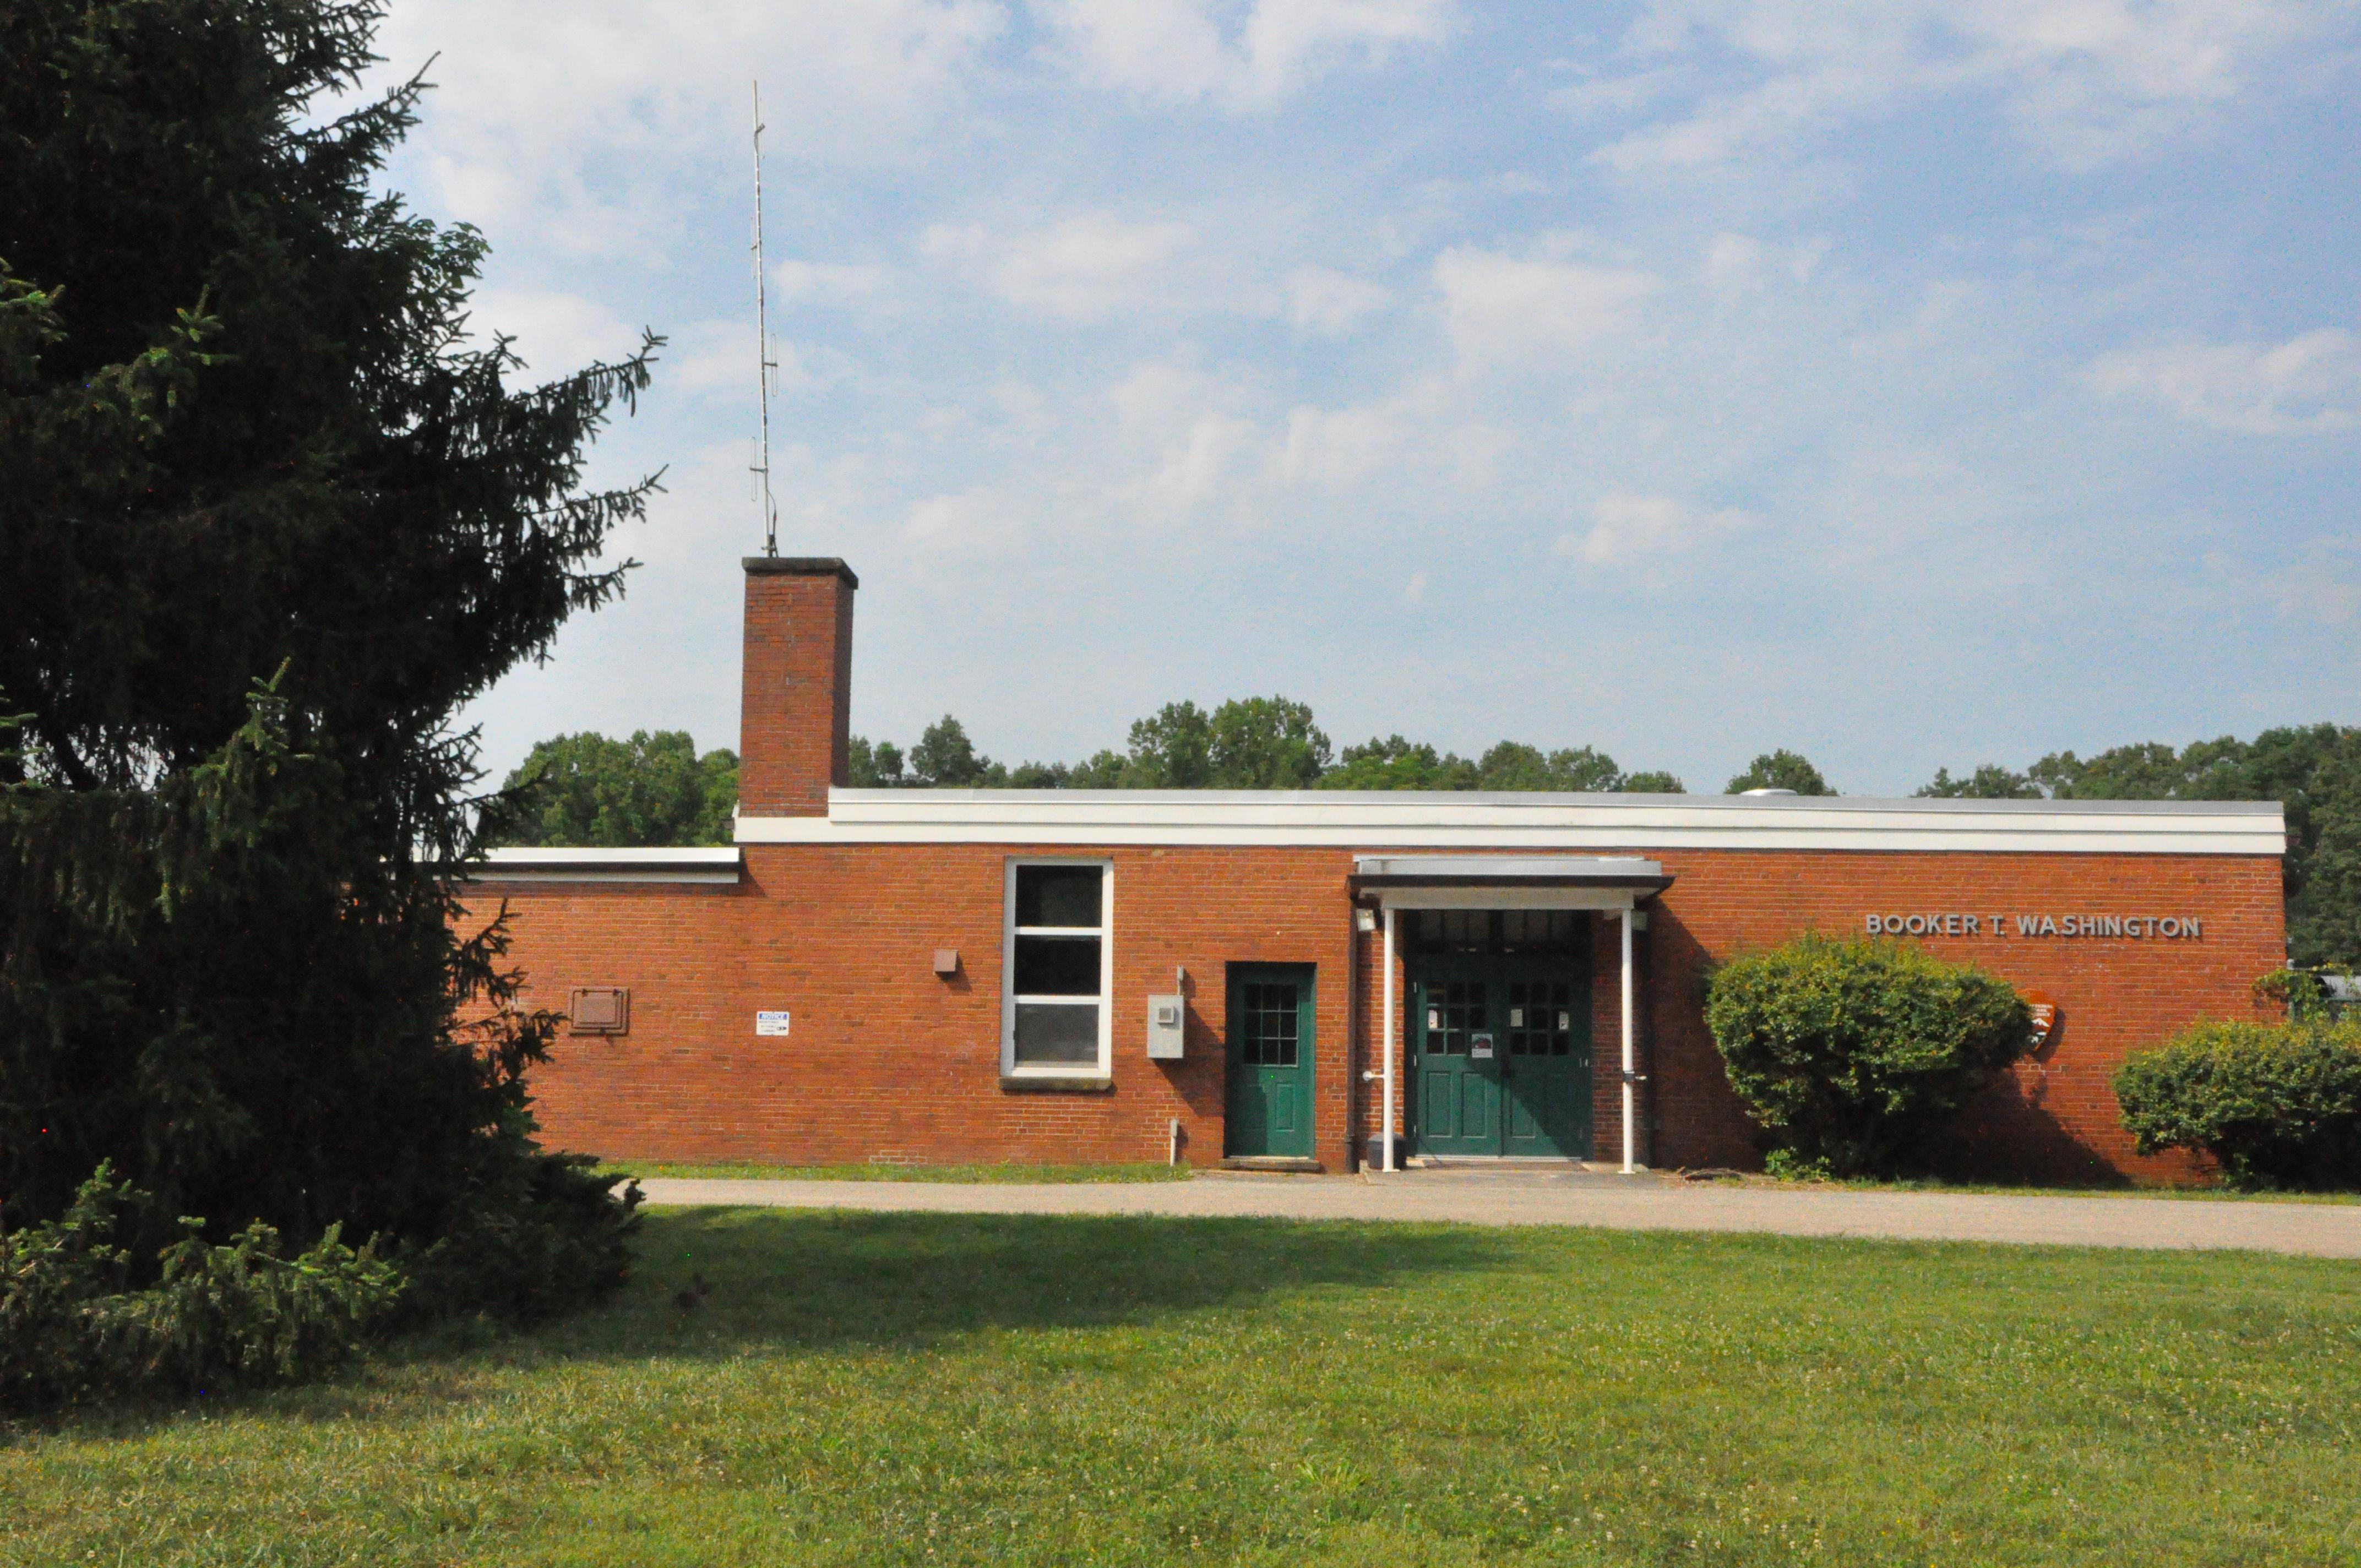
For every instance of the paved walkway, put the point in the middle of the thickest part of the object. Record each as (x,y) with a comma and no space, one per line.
(1617,1202)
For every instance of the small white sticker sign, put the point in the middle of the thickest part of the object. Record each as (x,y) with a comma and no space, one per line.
(1479,1047)
(770,1023)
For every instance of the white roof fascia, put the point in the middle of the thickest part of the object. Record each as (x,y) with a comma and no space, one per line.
(720,865)
(1504,881)
(1377,820)
(1604,871)
(1496,898)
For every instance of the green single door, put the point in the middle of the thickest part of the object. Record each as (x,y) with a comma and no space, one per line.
(1270,1060)
(1545,1059)
(1456,1055)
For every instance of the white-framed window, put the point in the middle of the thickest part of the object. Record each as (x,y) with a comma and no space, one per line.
(1058,967)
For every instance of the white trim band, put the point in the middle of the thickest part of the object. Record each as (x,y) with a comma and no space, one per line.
(1505,897)
(1373,820)
(714,866)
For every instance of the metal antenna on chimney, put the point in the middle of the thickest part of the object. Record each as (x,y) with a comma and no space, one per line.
(764,364)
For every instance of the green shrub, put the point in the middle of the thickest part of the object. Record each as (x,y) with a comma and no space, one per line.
(537,1233)
(2277,1104)
(73,1323)
(1850,1053)
(1788,1166)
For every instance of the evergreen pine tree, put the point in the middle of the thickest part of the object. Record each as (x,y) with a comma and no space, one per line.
(269,517)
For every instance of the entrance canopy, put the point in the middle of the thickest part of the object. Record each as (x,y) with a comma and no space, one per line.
(1507,882)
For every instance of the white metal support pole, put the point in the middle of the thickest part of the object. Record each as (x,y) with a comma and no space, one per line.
(1631,1065)
(1388,1046)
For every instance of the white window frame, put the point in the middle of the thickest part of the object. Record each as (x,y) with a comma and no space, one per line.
(1010,931)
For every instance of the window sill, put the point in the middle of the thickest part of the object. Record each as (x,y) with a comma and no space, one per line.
(1056,1083)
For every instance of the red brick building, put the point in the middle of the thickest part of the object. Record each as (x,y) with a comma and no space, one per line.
(954,975)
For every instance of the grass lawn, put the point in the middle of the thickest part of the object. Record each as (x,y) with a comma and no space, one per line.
(914,1388)
(985,1173)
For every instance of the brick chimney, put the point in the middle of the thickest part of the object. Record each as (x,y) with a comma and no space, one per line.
(796,687)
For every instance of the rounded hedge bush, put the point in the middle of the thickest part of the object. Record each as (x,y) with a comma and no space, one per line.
(2278,1105)
(1851,1053)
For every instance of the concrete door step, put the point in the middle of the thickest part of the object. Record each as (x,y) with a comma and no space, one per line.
(1508,1163)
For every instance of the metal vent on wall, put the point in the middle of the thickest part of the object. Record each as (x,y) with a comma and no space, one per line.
(599,1009)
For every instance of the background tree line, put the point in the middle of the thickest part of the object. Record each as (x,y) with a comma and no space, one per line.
(1263,742)
(656,789)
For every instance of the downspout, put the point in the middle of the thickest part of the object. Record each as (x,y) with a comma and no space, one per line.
(1357,1079)
(1388,1044)
(1630,1064)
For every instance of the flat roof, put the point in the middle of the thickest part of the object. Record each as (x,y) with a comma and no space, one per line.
(1377,820)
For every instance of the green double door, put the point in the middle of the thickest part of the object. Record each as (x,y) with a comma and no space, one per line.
(1270,1049)
(1500,1055)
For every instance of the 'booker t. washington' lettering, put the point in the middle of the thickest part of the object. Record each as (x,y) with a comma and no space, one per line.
(2134,927)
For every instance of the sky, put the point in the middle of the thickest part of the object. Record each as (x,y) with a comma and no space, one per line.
(1911,384)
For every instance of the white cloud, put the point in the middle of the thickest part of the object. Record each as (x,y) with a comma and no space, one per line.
(2308,385)
(1332,303)
(1598,96)
(1734,262)
(2086,82)
(1740,263)
(1506,310)
(1337,448)
(718,356)
(1084,269)
(565,122)
(964,521)
(1194,430)
(2325,586)
(1916,518)
(556,333)
(1629,529)
(1176,50)
(1197,468)
(829,283)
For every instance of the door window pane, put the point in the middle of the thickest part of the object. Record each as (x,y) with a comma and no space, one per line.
(1056,1034)
(1060,895)
(1526,1023)
(1453,1011)
(1559,932)
(1057,966)
(1266,1032)
(1537,930)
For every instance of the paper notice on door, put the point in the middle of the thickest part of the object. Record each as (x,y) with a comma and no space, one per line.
(1479,1047)
(770,1023)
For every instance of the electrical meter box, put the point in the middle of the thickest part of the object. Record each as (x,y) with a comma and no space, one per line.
(1167,1023)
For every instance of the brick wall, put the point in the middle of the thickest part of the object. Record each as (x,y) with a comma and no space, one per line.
(887,1061)
(2055,1116)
